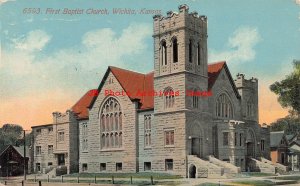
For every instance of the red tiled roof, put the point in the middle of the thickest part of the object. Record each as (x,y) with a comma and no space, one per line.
(81,107)
(131,82)
(214,70)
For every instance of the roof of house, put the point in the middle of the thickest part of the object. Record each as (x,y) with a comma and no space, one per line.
(214,70)
(19,149)
(290,136)
(132,82)
(275,138)
(81,107)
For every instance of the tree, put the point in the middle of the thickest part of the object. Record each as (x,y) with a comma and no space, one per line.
(9,134)
(288,90)
(289,124)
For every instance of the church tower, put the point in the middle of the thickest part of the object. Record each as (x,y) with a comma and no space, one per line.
(180,67)
(180,54)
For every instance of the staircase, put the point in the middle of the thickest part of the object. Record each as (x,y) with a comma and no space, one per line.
(281,169)
(52,172)
(230,170)
(262,166)
(205,169)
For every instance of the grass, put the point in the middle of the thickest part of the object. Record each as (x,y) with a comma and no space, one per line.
(296,178)
(144,175)
(257,174)
(209,184)
(255,182)
(125,182)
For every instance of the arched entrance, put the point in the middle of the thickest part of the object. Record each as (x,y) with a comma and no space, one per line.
(250,144)
(250,149)
(196,140)
(192,171)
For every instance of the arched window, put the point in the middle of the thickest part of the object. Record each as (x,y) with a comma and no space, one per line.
(175,50)
(147,134)
(111,124)
(163,49)
(169,97)
(190,51)
(198,54)
(224,107)
(249,109)
(195,100)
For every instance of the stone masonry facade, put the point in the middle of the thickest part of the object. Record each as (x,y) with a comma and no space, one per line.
(176,132)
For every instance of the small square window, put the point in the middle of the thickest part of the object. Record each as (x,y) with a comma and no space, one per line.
(169,164)
(147,166)
(38,150)
(38,131)
(102,166)
(225,138)
(119,166)
(169,137)
(84,167)
(50,129)
(50,163)
(61,136)
(38,167)
(50,149)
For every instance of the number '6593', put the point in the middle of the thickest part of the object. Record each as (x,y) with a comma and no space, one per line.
(31,10)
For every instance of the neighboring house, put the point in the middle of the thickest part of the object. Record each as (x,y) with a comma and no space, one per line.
(294,152)
(294,155)
(56,145)
(157,121)
(12,161)
(279,145)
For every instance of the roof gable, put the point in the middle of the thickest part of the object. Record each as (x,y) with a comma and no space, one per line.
(214,71)
(19,150)
(132,81)
(276,137)
(81,106)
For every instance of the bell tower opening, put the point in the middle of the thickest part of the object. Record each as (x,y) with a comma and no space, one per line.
(180,38)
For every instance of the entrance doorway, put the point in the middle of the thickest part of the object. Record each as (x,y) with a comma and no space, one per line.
(192,171)
(61,159)
(196,146)
(250,148)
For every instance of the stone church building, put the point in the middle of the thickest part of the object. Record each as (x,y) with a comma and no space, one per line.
(187,117)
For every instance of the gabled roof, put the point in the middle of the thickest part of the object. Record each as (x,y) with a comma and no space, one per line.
(214,70)
(133,81)
(275,138)
(18,149)
(81,107)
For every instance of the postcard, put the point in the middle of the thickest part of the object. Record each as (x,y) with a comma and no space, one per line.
(183,92)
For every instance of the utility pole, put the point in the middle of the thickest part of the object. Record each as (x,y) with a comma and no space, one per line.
(24,156)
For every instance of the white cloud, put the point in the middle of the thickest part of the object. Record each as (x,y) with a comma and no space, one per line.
(240,46)
(5,1)
(74,69)
(297,2)
(35,40)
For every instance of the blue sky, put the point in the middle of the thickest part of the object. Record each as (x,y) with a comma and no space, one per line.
(44,55)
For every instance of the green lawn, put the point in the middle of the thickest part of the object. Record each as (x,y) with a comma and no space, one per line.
(255,182)
(145,175)
(257,174)
(209,184)
(296,178)
(109,181)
